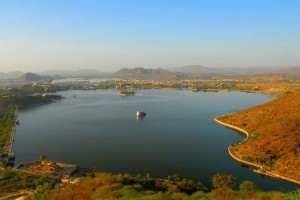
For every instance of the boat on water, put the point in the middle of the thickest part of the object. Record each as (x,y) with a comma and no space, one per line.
(140,114)
(17,122)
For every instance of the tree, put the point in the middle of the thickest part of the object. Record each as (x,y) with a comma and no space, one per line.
(175,177)
(189,186)
(223,180)
(42,157)
(248,189)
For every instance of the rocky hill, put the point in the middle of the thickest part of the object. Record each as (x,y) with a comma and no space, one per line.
(274,134)
(31,77)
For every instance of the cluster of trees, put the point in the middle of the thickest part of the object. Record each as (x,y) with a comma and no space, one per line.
(186,185)
(27,100)
(215,86)
(13,181)
(127,92)
(125,186)
(26,96)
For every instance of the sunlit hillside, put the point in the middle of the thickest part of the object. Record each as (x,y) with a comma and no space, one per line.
(274,134)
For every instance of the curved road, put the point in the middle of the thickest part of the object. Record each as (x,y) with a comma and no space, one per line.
(262,170)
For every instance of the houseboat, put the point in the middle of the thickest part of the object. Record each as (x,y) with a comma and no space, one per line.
(140,114)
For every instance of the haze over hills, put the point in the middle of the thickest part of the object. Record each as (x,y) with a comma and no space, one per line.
(11,75)
(75,73)
(202,70)
(189,71)
(192,71)
(293,71)
(31,77)
(143,73)
(266,71)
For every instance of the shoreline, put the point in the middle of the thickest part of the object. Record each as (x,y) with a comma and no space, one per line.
(260,169)
(7,149)
(10,140)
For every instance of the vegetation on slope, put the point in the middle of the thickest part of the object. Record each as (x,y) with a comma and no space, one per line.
(124,186)
(6,116)
(15,183)
(98,185)
(274,134)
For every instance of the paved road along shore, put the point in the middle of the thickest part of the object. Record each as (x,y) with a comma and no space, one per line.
(10,140)
(262,169)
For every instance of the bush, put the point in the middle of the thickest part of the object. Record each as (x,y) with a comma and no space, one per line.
(175,177)
(248,189)
(190,186)
(223,180)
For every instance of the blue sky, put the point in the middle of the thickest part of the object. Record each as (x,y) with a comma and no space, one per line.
(108,35)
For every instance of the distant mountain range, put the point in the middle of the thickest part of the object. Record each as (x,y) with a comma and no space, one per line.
(143,73)
(197,71)
(77,73)
(202,70)
(10,75)
(189,71)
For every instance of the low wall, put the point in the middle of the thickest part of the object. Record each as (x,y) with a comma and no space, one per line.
(267,172)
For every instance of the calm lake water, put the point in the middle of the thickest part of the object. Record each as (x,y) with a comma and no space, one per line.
(100,129)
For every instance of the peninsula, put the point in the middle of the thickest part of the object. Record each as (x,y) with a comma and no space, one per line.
(273,139)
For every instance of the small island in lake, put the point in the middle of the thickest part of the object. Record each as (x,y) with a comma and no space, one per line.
(127,93)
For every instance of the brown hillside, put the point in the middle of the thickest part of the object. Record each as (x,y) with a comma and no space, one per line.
(274,134)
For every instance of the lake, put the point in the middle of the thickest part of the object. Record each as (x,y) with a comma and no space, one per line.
(99,129)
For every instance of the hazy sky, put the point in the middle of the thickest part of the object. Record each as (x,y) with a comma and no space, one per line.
(108,35)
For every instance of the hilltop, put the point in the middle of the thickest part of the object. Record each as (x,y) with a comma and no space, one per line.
(31,77)
(274,134)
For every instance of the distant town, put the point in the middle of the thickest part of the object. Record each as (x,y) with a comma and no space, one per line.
(196,78)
